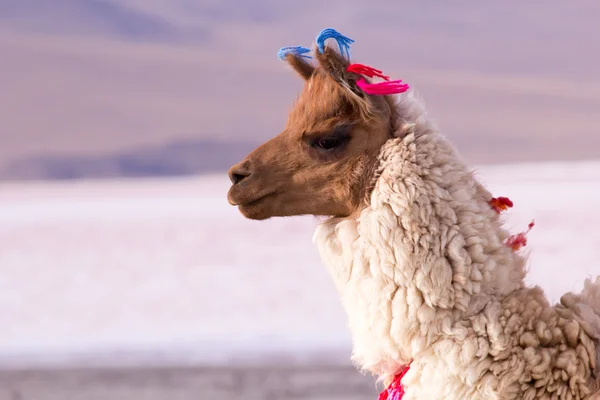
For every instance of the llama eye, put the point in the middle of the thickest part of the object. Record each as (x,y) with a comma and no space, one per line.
(338,138)
(328,143)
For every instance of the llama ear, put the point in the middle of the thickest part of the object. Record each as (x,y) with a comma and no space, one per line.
(333,63)
(296,58)
(300,65)
(336,65)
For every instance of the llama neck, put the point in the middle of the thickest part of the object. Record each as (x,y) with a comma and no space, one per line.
(427,252)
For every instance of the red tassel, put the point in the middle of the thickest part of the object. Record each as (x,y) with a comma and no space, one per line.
(366,71)
(501,204)
(382,88)
(519,240)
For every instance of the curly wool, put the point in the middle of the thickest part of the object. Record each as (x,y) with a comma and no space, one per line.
(425,277)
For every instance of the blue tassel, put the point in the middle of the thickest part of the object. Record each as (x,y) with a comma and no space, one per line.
(343,42)
(298,50)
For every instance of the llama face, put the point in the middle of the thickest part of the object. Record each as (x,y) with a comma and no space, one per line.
(322,163)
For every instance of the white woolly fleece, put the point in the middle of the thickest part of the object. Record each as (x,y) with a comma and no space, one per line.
(424,276)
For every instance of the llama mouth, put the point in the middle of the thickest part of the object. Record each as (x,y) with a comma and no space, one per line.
(257,201)
(251,203)
(257,209)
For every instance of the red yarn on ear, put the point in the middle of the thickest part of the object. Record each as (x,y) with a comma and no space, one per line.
(366,71)
(381,88)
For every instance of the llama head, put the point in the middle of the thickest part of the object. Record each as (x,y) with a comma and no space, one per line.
(322,162)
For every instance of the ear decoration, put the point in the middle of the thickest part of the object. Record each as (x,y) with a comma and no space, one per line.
(332,61)
(343,42)
(383,88)
(361,69)
(378,89)
(295,50)
(338,65)
(296,56)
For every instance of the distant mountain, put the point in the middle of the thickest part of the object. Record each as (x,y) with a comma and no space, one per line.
(173,159)
(87,78)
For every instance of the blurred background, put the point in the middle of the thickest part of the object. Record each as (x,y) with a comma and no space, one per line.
(125,274)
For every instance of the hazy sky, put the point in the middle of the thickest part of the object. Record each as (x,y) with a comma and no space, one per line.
(97,76)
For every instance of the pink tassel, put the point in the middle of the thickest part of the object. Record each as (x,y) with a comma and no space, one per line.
(367,71)
(383,88)
(395,391)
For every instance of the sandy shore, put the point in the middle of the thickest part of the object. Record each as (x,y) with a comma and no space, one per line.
(260,383)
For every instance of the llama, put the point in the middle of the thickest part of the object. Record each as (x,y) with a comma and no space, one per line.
(435,299)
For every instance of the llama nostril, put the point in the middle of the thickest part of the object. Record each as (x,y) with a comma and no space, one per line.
(236,178)
(237,175)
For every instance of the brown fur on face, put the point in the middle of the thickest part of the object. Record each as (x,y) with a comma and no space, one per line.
(323,161)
